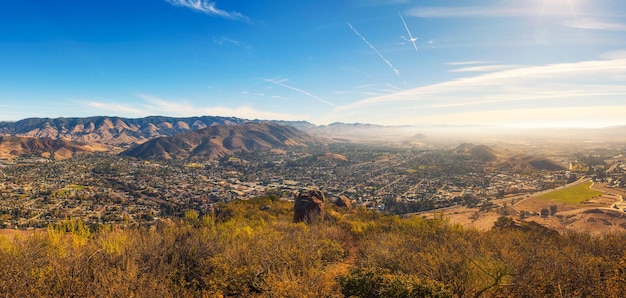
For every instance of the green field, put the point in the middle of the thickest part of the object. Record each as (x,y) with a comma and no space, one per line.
(74,186)
(575,194)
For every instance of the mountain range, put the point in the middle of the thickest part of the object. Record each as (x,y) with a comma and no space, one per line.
(116,134)
(222,140)
(111,131)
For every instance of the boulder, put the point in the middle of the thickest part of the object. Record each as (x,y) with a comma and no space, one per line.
(343,201)
(308,206)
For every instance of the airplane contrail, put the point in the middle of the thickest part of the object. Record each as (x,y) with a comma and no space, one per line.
(309,94)
(374,49)
(411,38)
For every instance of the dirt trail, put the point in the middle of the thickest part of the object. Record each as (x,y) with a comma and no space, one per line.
(338,269)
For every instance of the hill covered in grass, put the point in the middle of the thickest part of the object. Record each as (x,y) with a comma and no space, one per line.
(252,249)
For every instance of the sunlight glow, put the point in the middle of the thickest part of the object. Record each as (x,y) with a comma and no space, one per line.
(558,5)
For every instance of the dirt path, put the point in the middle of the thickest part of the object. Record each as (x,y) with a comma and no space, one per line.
(332,272)
(611,190)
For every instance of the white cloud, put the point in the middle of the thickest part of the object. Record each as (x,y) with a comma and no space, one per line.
(157,106)
(578,116)
(457,63)
(117,109)
(225,40)
(208,8)
(526,78)
(484,68)
(508,9)
(380,2)
(307,93)
(597,85)
(592,24)
(471,12)
(618,54)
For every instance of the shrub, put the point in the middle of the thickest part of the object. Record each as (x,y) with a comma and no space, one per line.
(368,282)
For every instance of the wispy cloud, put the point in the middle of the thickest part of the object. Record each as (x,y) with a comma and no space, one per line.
(597,84)
(374,49)
(612,55)
(117,108)
(380,2)
(153,105)
(369,90)
(508,9)
(470,12)
(465,62)
(524,76)
(307,93)
(225,40)
(484,68)
(592,24)
(541,117)
(209,8)
(261,94)
(411,38)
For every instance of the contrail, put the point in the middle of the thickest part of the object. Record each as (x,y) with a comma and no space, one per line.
(299,90)
(411,38)
(375,50)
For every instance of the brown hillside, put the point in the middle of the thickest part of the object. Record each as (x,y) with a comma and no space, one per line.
(113,131)
(13,147)
(221,140)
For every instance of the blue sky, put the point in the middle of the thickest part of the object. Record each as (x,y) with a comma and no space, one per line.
(392,62)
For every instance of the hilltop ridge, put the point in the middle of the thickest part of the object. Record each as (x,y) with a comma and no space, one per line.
(222,140)
(115,131)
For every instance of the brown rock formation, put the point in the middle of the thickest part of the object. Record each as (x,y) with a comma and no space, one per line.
(309,206)
(343,201)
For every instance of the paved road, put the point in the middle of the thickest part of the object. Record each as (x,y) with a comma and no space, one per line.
(613,167)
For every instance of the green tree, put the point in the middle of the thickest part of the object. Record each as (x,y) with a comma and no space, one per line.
(552,210)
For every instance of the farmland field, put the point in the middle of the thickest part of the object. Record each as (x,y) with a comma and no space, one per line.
(574,195)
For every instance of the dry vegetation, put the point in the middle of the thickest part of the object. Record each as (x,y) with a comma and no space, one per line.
(245,251)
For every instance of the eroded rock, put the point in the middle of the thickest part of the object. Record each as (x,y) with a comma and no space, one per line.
(308,206)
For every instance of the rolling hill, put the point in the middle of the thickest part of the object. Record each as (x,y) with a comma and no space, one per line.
(519,163)
(222,140)
(13,147)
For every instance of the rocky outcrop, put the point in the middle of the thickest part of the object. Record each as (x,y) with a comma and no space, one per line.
(309,206)
(343,201)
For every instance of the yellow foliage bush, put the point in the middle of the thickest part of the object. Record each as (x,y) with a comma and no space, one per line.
(246,251)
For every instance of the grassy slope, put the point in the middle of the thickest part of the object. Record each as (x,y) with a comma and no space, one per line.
(244,251)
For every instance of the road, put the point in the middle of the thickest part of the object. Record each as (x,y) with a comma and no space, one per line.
(390,184)
(613,167)
(416,186)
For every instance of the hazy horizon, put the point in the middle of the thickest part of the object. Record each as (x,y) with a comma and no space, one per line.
(415,125)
